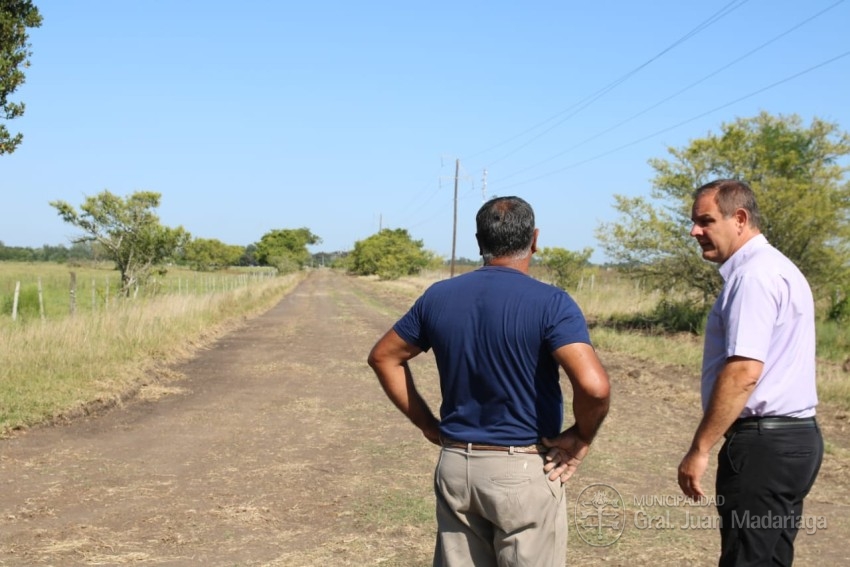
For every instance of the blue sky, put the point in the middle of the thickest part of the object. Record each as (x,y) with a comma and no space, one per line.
(347,117)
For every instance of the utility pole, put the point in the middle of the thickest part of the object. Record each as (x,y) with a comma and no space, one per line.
(454,223)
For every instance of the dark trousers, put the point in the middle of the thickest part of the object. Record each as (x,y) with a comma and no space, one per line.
(762,478)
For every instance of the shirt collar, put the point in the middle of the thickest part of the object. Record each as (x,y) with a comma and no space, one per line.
(743,254)
(501,269)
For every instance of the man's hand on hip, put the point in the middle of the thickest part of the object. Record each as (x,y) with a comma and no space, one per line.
(566,452)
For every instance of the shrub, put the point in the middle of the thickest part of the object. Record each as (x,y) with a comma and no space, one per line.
(839,309)
(668,316)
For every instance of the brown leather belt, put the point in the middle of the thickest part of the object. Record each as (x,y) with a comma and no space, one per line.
(533,449)
(772,422)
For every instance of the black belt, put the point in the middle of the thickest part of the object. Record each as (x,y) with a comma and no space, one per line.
(772,422)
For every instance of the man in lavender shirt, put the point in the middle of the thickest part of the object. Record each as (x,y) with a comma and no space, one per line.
(758,383)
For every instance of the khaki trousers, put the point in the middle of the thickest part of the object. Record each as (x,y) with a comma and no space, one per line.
(498,509)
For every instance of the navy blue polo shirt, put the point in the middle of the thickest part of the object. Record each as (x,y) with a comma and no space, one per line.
(493,331)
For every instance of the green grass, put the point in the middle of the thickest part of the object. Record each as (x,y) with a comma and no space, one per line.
(62,364)
(834,385)
(681,349)
(96,286)
(833,340)
(396,507)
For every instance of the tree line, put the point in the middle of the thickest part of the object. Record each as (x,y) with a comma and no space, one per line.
(129,232)
(47,253)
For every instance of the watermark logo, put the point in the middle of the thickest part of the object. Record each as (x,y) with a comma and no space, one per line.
(600,515)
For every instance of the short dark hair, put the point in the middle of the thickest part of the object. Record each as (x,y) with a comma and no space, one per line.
(731,195)
(505,227)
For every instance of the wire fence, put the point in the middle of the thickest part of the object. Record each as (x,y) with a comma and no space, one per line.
(50,295)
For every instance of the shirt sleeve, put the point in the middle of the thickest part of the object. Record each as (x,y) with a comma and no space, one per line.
(565,323)
(411,326)
(750,309)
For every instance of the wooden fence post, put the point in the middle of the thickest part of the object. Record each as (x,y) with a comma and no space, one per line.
(40,299)
(15,301)
(73,292)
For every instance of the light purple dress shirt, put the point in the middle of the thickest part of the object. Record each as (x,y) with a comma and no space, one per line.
(765,312)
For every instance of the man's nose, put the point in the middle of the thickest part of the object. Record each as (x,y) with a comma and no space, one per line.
(695,230)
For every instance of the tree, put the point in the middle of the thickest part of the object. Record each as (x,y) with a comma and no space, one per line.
(286,249)
(206,254)
(129,231)
(800,185)
(16,16)
(565,266)
(249,256)
(389,254)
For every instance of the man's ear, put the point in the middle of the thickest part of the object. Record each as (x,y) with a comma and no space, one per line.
(743,218)
(534,240)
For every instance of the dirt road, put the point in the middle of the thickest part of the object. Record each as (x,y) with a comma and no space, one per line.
(277,448)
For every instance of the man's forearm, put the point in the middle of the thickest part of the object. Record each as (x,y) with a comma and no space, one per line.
(407,398)
(589,414)
(724,408)
(591,387)
(388,359)
(397,382)
(728,399)
(731,391)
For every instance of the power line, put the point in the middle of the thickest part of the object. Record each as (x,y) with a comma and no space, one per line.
(460,174)
(590,99)
(443,209)
(677,93)
(682,123)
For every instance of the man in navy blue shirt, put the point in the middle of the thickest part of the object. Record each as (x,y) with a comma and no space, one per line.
(499,339)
